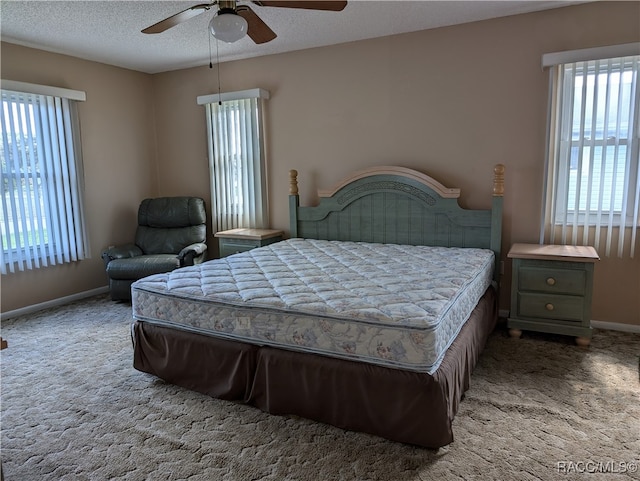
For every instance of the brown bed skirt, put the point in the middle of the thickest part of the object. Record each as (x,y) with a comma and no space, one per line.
(404,406)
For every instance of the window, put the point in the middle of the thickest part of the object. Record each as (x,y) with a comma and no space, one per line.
(42,219)
(593,160)
(237,159)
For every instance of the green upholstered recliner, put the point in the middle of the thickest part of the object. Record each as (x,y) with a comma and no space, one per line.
(171,233)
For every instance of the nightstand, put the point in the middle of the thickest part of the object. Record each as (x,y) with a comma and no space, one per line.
(551,289)
(241,240)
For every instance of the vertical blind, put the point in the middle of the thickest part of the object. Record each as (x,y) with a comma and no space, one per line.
(237,163)
(593,161)
(42,182)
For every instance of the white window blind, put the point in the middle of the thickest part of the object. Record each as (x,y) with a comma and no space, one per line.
(237,159)
(42,179)
(593,185)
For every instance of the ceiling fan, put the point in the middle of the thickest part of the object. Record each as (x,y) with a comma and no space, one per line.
(232,22)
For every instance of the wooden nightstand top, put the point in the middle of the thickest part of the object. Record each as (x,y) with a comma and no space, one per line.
(554,252)
(253,234)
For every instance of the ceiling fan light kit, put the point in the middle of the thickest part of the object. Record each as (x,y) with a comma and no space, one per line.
(232,21)
(228,26)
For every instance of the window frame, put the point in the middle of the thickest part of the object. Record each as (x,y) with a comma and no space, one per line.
(590,214)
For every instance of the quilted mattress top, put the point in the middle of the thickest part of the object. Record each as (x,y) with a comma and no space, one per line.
(385,284)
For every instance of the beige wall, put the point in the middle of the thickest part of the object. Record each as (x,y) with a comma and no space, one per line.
(118,145)
(451,102)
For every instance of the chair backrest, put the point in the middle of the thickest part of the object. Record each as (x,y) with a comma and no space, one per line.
(168,224)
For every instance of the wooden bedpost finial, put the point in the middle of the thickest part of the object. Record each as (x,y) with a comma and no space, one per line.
(293,182)
(498,180)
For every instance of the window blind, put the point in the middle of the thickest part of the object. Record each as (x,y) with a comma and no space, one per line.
(593,186)
(237,161)
(42,180)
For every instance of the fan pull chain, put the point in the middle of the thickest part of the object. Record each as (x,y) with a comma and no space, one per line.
(217,62)
(210,58)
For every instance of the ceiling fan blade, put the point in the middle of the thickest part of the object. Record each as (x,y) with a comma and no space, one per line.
(180,17)
(316,5)
(257,30)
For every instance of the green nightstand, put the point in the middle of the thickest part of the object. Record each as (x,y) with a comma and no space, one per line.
(240,240)
(551,289)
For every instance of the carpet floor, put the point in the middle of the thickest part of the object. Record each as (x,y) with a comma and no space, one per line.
(73,408)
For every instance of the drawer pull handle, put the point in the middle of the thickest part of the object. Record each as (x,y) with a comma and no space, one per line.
(551,281)
(549,307)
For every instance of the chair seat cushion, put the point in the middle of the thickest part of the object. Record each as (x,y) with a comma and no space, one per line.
(142,266)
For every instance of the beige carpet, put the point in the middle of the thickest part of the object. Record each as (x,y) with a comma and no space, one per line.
(73,408)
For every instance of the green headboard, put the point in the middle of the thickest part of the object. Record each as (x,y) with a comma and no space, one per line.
(397,205)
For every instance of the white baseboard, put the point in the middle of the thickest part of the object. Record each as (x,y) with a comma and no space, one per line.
(54,302)
(616,326)
(610,326)
(503,313)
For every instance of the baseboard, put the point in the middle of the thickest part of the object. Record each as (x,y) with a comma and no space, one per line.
(54,302)
(503,313)
(610,326)
(616,326)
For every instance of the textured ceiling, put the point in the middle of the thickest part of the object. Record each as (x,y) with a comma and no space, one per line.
(109,31)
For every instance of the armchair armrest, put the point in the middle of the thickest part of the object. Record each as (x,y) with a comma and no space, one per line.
(120,252)
(189,253)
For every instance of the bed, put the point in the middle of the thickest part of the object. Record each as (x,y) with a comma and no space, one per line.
(370,317)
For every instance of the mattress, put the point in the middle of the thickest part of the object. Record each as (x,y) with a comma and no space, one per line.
(398,306)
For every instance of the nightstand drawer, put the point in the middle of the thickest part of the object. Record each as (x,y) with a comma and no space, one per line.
(549,306)
(239,240)
(243,244)
(235,246)
(227,247)
(557,281)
